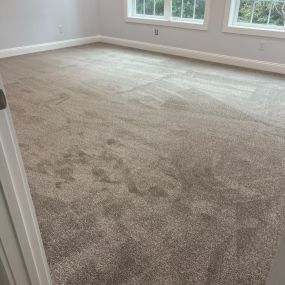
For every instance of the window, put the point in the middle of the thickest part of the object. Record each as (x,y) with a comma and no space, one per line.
(177,13)
(270,13)
(186,9)
(256,17)
(150,7)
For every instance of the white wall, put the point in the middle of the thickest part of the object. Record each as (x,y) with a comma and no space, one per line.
(29,22)
(112,23)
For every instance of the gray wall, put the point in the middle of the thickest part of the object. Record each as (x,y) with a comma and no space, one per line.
(29,22)
(112,23)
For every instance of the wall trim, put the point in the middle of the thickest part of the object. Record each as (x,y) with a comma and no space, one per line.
(47,46)
(21,239)
(192,54)
(200,55)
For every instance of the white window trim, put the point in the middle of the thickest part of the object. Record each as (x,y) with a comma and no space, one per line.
(255,30)
(166,20)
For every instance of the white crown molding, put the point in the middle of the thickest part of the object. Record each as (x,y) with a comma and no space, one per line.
(192,54)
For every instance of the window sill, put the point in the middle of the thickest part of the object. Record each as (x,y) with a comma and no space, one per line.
(254,31)
(162,22)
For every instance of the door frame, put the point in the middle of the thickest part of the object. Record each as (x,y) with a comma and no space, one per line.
(21,248)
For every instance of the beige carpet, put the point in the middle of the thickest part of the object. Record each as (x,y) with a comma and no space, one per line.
(148,169)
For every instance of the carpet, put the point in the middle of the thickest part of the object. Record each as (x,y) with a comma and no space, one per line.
(150,169)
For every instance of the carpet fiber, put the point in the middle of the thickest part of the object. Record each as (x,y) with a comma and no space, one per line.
(149,169)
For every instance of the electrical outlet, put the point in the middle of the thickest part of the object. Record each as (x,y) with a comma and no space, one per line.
(156,32)
(60,29)
(262,45)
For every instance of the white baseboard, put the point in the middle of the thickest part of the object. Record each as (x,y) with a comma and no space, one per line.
(200,55)
(193,54)
(47,46)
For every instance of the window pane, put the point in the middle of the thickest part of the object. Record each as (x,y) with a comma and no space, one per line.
(200,9)
(188,9)
(159,7)
(140,6)
(264,12)
(245,10)
(176,8)
(277,14)
(150,7)
(261,12)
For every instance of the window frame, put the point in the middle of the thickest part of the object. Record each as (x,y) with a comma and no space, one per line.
(232,26)
(166,20)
